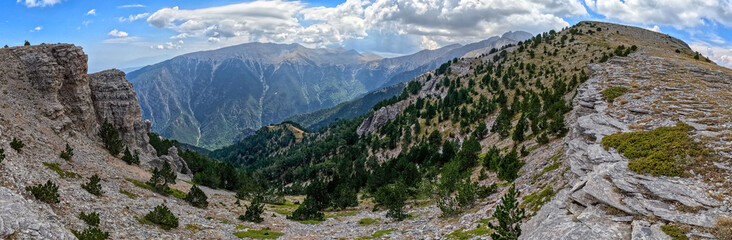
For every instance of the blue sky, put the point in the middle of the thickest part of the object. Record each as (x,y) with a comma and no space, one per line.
(123,34)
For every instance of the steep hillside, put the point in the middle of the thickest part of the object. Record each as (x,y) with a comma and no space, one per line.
(210,99)
(606,131)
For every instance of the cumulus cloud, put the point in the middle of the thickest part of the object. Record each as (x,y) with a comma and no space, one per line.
(92,12)
(428,22)
(655,28)
(117,33)
(36,29)
(721,55)
(39,3)
(133,18)
(679,13)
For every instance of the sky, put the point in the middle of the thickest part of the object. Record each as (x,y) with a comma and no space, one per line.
(125,34)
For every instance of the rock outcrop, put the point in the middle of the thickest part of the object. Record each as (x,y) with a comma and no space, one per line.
(175,161)
(115,101)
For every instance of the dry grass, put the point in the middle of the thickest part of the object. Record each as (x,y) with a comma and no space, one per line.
(723,228)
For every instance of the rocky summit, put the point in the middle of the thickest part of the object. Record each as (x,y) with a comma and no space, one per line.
(597,131)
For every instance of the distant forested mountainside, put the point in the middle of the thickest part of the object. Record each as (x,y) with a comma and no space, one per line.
(211,99)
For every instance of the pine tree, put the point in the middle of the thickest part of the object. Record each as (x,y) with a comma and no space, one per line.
(47,193)
(162,217)
(157,182)
(509,166)
(68,153)
(393,197)
(129,158)
(110,138)
(254,211)
(518,132)
(26,43)
(196,197)
(509,217)
(17,145)
(2,155)
(168,173)
(93,186)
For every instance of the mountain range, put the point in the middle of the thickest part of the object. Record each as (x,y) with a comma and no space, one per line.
(213,98)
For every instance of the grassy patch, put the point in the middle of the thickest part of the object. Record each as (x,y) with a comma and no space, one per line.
(310,221)
(723,228)
(659,152)
(461,234)
(282,211)
(613,92)
(139,184)
(61,172)
(242,227)
(378,234)
(128,194)
(265,233)
(341,214)
(189,182)
(674,232)
(367,221)
(536,200)
(193,228)
(178,193)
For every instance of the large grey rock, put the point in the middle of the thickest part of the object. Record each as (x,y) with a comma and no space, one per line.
(176,162)
(21,218)
(643,230)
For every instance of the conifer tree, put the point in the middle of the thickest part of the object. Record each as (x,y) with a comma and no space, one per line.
(509,217)
(129,158)
(67,153)
(110,138)
(254,211)
(93,186)
(2,155)
(168,173)
(17,145)
(196,197)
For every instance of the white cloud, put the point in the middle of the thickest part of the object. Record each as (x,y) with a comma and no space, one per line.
(426,22)
(117,33)
(655,28)
(92,12)
(681,14)
(131,6)
(36,29)
(133,18)
(39,3)
(721,55)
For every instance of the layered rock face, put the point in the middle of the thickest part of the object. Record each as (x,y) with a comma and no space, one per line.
(115,101)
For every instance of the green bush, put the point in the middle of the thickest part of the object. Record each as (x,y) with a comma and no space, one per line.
(2,155)
(68,153)
(196,197)
(162,217)
(93,186)
(17,145)
(613,92)
(392,197)
(45,192)
(674,232)
(254,211)
(308,210)
(110,138)
(129,158)
(91,233)
(509,216)
(657,151)
(91,219)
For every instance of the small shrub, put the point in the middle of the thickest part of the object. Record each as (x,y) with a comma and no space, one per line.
(613,92)
(393,197)
(93,186)
(68,153)
(162,217)
(674,232)
(307,211)
(17,145)
(196,197)
(47,193)
(254,212)
(91,233)
(2,155)
(91,219)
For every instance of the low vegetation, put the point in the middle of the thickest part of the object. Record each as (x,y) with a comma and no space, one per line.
(2,155)
(17,145)
(64,174)
(674,231)
(196,197)
(613,92)
(128,194)
(67,153)
(91,219)
(264,233)
(723,228)
(664,151)
(47,193)
(378,234)
(93,186)
(162,217)
(536,200)
(367,221)
(462,234)
(90,233)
